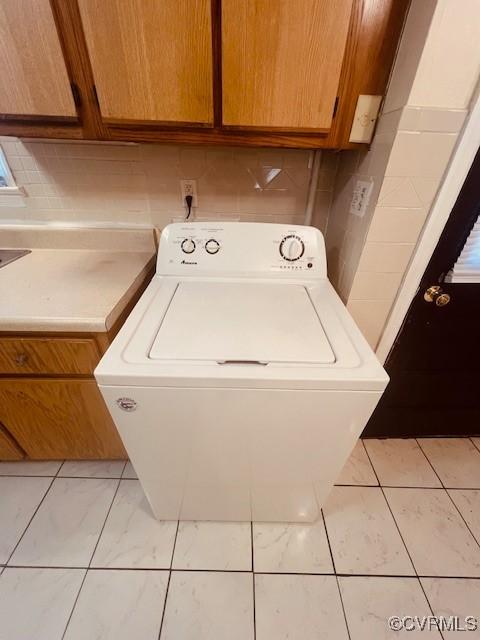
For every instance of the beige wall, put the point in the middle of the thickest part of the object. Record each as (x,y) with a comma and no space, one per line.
(435,73)
(83,184)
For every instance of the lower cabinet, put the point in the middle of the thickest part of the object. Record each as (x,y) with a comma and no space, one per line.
(9,449)
(58,418)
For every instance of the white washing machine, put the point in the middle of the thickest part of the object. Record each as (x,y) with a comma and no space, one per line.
(239,383)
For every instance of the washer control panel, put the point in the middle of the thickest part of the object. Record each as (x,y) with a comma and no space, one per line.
(241,248)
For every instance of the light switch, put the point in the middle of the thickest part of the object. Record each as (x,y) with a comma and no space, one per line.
(364,119)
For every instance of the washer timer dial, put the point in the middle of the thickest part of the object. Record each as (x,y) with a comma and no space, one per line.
(292,248)
(212,246)
(188,245)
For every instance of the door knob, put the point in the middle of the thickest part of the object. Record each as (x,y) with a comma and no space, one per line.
(435,294)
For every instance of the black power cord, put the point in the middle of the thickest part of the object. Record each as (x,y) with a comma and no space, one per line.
(188,202)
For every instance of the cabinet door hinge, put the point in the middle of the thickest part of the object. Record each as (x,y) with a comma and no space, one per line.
(335,107)
(77,99)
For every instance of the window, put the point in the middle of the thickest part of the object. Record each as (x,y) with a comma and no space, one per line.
(6,178)
(467,266)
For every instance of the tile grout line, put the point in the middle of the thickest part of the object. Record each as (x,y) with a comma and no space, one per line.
(460,513)
(244,571)
(473,442)
(371,464)
(30,520)
(328,541)
(447,490)
(429,605)
(91,558)
(334,573)
(343,607)
(123,471)
(105,521)
(444,489)
(365,486)
(168,581)
(399,532)
(430,463)
(392,514)
(405,486)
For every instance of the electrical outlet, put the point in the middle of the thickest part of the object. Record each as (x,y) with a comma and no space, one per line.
(189,188)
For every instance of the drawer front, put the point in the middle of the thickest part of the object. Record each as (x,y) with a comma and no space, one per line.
(49,356)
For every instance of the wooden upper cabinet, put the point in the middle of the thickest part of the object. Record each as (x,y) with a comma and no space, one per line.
(33,76)
(151,59)
(281,61)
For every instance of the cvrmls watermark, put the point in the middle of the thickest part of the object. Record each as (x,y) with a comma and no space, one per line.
(429,623)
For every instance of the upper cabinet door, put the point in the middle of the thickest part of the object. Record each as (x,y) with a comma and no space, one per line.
(33,76)
(281,61)
(151,60)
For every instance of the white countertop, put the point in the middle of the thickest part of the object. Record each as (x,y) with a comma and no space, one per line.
(71,290)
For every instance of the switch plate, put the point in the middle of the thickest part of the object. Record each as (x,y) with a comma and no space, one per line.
(365,117)
(361,197)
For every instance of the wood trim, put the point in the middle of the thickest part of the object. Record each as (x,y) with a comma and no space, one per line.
(267,130)
(32,119)
(217,61)
(371,48)
(41,130)
(336,132)
(221,137)
(72,39)
(174,135)
(157,124)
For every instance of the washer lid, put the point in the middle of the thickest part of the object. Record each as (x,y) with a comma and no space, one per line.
(236,322)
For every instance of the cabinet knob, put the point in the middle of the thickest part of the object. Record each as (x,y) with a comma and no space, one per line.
(21,359)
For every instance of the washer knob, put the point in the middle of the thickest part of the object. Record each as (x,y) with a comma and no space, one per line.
(188,245)
(212,246)
(292,248)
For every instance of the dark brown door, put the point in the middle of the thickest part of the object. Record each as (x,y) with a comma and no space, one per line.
(435,362)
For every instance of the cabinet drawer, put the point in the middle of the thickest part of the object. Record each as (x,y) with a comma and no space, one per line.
(52,356)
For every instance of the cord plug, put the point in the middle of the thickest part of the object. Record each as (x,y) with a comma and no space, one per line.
(188,202)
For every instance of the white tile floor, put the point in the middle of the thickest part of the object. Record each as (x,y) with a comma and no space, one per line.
(82,558)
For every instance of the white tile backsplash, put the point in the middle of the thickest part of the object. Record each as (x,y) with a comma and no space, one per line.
(396,224)
(422,154)
(106,184)
(449,64)
(436,68)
